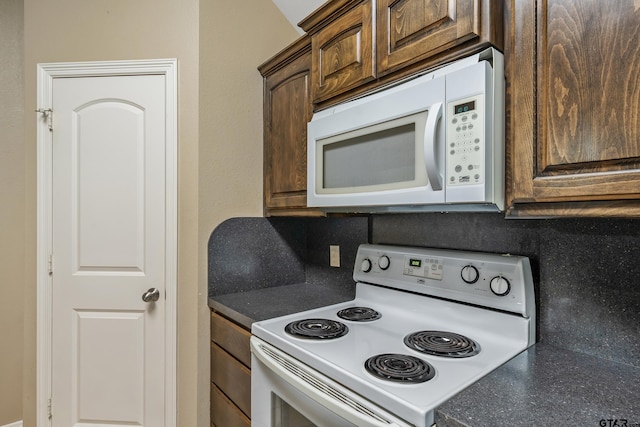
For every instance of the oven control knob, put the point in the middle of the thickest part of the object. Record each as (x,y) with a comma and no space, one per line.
(500,286)
(366,265)
(470,274)
(384,262)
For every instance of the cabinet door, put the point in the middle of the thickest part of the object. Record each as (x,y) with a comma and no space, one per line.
(287,109)
(343,53)
(574,99)
(411,30)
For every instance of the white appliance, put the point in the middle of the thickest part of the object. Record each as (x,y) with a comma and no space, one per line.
(425,324)
(435,142)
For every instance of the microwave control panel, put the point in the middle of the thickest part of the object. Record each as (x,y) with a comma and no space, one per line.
(465,141)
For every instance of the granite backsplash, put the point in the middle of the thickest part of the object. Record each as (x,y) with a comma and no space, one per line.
(586,271)
(255,253)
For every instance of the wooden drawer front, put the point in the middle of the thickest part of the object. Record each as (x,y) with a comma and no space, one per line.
(232,377)
(342,53)
(231,337)
(224,413)
(411,30)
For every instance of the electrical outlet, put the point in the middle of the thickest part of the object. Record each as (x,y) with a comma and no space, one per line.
(334,256)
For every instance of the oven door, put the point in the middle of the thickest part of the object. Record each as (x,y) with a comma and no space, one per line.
(286,393)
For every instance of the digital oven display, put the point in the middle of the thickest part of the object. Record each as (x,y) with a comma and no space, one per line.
(430,268)
(463,108)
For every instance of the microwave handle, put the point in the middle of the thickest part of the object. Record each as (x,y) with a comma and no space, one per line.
(430,144)
(312,386)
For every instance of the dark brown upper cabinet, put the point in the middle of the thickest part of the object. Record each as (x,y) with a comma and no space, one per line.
(573,95)
(411,30)
(358,45)
(287,109)
(342,53)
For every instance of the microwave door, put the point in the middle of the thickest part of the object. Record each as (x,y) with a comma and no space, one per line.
(382,165)
(384,152)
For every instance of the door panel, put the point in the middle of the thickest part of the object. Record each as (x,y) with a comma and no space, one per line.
(108,186)
(116,381)
(117,204)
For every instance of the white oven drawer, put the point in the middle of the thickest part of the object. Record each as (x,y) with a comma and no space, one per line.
(286,393)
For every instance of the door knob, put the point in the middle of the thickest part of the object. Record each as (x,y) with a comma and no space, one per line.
(151,295)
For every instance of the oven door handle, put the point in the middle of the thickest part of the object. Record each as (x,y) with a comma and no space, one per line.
(320,388)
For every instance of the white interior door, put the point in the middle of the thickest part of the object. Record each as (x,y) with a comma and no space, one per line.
(109,201)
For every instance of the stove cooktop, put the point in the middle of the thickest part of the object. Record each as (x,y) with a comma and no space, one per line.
(445,345)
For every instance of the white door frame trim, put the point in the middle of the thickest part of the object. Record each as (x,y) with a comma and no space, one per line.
(46,74)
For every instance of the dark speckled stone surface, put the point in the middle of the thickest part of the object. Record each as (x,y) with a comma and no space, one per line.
(590,287)
(261,268)
(254,253)
(248,307)
(548,386)
(486,232)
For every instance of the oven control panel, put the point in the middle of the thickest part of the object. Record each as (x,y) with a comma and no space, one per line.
(497,281)
(423,267)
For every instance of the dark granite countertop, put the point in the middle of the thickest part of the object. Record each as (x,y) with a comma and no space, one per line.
(549,386)
(260,304)
(543,386)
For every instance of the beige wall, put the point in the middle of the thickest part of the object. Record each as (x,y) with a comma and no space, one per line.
(235,37)
(11,210)
(218,45)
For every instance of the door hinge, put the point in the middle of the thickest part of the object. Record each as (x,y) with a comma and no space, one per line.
(50,264)
(49,413)
(48,116)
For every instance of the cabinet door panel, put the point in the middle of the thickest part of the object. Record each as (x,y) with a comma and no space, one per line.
(574,97)
(410,30)
(288,141)
(286,113)
(591,52)
(342,53)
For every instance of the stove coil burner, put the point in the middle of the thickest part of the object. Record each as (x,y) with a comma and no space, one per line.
(316,329)
(445,344)
(359,314)
(400,368)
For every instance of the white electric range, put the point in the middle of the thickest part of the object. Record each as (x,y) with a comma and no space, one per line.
(425,324)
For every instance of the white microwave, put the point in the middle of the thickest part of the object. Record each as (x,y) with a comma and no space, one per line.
(435,142)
